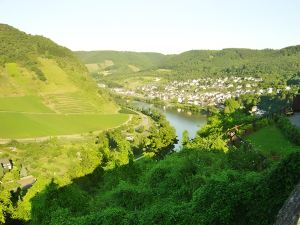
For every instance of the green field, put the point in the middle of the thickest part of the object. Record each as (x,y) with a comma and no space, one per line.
(23,104)
(30,116)
(24,125)
(272,142)
(12,69)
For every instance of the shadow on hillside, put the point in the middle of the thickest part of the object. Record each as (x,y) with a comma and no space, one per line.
(74,203)
(73,200)
(274,104)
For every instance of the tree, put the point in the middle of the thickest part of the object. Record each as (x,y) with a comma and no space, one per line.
(231,105)
(185,137)
(248,101)
(5,204)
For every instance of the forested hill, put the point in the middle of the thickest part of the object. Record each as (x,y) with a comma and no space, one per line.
(266,63)
(120,61)
(32,65)
(19,47)
(239,62)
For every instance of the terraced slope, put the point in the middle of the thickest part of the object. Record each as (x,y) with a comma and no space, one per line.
(70,103)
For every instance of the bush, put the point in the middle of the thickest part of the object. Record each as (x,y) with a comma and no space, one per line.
(264,122)
(246,129)
(127,111)
(40,75)
(289,130)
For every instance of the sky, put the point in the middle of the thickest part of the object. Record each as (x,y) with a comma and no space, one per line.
(166,26)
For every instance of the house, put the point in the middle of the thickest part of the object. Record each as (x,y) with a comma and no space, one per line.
(6,164)
(296,103)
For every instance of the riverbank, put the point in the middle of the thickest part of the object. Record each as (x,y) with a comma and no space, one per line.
(181,120)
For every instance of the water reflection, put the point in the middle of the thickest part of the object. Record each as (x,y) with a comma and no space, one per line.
(180,119)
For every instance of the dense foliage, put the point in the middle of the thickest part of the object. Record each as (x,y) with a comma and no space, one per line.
(208,182)
(265,63)
(161,137)
(19,47)
(211,181)
(119,62)
(274,66)
(289,130)
(192,187)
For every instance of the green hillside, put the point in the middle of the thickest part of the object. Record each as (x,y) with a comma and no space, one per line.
(265,63)
(118,62)
(38,77)
(272,65)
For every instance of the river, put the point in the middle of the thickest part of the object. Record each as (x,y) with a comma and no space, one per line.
(180,119)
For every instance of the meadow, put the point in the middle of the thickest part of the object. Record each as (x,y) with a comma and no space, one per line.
(24,125)
(30,116)
(270,141)
(29,104)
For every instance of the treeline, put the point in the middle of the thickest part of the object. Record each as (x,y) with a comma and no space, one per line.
(120,62)
(161,137)
(289,130)
(274,66)
(268,64)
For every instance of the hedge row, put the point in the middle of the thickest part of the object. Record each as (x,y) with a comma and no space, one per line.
(289,130)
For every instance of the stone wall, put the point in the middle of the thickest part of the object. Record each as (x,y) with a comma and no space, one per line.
(290,212)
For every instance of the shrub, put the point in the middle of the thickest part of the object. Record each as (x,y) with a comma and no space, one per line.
(289,130)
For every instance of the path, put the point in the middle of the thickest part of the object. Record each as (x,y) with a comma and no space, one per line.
(138,158)
(295,119)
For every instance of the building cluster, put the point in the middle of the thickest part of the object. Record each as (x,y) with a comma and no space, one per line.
(200,92)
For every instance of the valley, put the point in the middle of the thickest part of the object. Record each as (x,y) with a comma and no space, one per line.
(108,137)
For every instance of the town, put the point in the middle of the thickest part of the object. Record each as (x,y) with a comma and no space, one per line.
(201,92)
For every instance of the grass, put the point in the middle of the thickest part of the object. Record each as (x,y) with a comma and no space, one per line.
(57,78)
(73,113)
(50,158)
(72,103)
(24,125)
(23,104)
(272,142)
(68,103)
(12,69)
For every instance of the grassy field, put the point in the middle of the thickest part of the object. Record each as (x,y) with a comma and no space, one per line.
(24,125)
(71,103)
(272,142)
(12,69)
(23,104)
(73,113)
(68,103)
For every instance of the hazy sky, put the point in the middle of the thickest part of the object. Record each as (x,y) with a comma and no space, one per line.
(167,26)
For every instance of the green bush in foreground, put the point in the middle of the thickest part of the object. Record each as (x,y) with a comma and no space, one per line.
(194,187)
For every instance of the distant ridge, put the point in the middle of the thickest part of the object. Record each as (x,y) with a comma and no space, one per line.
(266,63)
